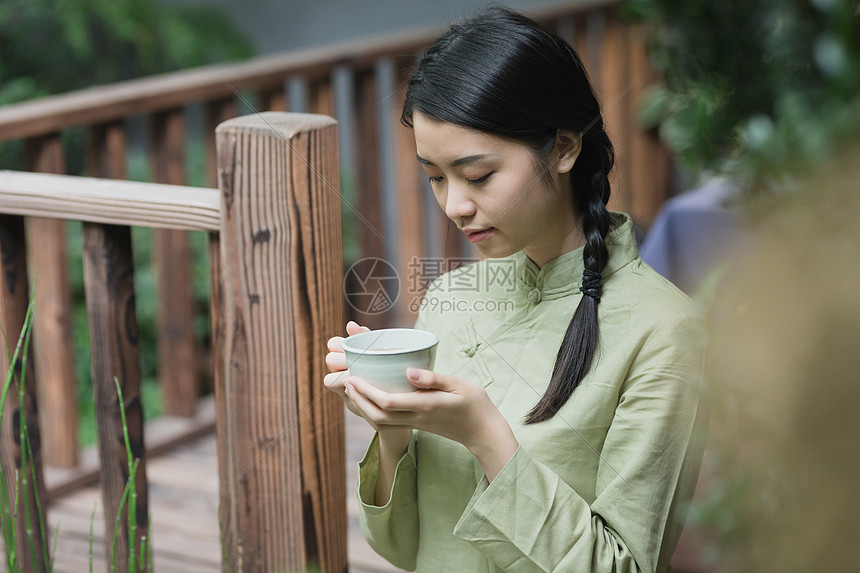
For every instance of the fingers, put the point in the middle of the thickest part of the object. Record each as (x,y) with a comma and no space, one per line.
(335,361)
(368,409)
(397,402)
(353,327)
(335,344)
(430,380)
(335,381)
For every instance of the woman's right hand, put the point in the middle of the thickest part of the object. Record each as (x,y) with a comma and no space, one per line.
(336,362)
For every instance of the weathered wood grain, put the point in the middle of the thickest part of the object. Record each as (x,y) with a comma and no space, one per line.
(52,333)
(109,283)
(281,438)
(14,300)
(172,254)
(109,287)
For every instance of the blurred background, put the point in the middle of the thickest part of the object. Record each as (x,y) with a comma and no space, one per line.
(738,130)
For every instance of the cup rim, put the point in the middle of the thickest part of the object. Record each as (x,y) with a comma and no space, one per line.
(348,347)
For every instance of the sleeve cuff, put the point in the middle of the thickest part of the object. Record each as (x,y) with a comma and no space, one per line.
(485,497)
(514,519)
(368,472)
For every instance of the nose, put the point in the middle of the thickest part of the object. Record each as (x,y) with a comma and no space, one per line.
(458,204)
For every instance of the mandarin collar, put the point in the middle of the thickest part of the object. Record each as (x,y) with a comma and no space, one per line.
(563,274)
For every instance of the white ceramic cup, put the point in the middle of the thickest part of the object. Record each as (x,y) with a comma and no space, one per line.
(381,357)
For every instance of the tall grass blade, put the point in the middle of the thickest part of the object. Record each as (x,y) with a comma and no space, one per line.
(10,515)
(131,485)
(92,521)
(116,526)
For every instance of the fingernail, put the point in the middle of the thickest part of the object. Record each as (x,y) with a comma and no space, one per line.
(412,373)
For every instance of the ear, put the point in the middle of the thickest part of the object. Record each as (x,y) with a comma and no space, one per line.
(568,144)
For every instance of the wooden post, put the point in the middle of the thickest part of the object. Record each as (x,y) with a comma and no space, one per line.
(274,99)
(367,220)
(176,362)
(280,435)
(216,112)
(650,163)
(410,217)
(14,298)
(322,97)
(52,329)
(615,103)
(109,286)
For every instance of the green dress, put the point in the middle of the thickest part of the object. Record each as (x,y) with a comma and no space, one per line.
(601,486)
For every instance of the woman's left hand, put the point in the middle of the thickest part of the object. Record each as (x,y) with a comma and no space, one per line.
(448,406)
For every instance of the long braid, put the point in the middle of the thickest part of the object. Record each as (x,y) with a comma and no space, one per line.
(580,340)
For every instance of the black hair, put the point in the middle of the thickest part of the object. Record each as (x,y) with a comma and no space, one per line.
(503,74)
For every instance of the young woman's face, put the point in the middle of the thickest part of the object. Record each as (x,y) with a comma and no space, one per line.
(490,187)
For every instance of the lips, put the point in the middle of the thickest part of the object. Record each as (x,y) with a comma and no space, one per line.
(479,235)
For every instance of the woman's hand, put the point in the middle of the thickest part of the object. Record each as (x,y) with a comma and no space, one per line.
(336,362)
(448,406)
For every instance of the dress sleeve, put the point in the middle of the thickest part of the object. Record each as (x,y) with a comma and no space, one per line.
(391,530)
(529,520)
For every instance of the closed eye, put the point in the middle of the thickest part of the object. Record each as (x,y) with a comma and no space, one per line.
(480,180)
(435,179)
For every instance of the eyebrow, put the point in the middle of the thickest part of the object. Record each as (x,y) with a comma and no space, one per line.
(457,162)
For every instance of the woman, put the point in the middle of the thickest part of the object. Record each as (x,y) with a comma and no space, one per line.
(552,436)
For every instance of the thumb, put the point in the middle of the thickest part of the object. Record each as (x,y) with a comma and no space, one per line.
(429,379)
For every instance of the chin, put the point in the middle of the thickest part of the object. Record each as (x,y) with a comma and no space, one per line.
(495,251)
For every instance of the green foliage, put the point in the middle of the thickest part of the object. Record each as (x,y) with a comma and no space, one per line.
(55,46)
(52,46)
(753,86)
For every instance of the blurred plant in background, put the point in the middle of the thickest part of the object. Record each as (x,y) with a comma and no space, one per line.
(784,362)
(54,46)
(753,87)
(767,92)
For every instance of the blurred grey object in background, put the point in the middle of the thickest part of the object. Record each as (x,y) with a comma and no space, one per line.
(694,233)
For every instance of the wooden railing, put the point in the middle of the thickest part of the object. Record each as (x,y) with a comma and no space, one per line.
(384,197)
(276,266)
